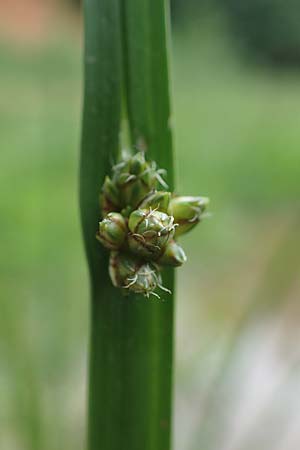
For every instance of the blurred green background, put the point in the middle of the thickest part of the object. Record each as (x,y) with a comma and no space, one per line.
(236,102)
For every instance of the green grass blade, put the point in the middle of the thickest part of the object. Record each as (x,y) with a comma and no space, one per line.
(131,337)
(101,124)
(147,80)
(147,90)
(101,116)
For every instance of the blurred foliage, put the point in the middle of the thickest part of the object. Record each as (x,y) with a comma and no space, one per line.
(73,3)
(268,29)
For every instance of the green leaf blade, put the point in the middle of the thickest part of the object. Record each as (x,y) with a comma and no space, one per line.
(148,101)
(130,379)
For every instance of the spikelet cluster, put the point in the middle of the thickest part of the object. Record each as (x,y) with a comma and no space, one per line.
(141,221)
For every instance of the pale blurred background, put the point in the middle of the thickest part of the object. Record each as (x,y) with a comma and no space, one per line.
(236,101)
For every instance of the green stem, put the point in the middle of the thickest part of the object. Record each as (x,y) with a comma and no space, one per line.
(131,338)
(147,90)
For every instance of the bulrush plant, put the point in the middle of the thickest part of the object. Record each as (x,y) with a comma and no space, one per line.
(131,339)
(140,224)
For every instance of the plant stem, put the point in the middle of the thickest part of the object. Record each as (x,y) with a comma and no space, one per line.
(147,90)
(101,123)
(131,337)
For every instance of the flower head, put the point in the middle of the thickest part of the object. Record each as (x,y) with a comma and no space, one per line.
(140,224)
(156,200)
(187,212)
(112,231)
(135,177)
(173,255)
(130,273)
(109,197)
(150,231)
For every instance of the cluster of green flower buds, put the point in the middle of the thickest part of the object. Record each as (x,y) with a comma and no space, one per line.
(141,221)
(132,180)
